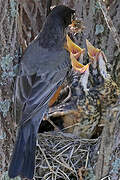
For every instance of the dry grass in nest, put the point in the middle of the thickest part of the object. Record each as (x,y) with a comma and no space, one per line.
(62,156)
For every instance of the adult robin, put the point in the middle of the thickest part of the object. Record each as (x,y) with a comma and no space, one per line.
(43,68)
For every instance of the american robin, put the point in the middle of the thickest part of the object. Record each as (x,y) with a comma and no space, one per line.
(43,68)
(101,80)
(92,92)
(75,53)
(91,106)
(74,48)
(84,119)
(82,113)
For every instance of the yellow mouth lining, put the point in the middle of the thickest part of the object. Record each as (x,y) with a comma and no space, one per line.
(92,51)
(75,52)
(76,65)
(72,47)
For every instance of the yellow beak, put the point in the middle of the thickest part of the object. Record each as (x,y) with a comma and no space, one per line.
(75,49)
(92,51)
(78,66)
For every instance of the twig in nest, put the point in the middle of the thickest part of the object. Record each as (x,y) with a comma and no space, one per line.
(65,175)
(87,158)
(44,157)
(62,164)
(110,23)
(68,127)
(63,151)
(64,155)
(50,168)
(52,123)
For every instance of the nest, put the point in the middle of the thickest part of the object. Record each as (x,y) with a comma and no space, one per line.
(62,156)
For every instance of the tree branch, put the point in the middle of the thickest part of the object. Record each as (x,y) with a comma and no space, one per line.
(110,23)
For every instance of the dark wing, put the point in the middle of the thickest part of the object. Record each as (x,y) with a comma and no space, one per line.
(34,91)
(41,60)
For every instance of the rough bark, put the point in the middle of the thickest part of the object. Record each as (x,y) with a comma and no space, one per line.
(23,28)
(108,164)
(98,33)
(8,59)
(32,15)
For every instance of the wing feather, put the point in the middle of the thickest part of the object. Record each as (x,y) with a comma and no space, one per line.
(34,96)
(34,90)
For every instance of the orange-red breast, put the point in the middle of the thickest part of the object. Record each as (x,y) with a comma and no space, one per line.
(43,68)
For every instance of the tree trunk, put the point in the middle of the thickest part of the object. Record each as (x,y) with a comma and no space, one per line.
(8,67)
(32,15)
(20,22)
(108,164)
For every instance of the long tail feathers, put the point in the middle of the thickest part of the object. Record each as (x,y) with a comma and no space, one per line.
(23,159)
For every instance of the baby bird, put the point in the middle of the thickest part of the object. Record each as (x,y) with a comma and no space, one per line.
(100,80)
(81,114)
(92,92)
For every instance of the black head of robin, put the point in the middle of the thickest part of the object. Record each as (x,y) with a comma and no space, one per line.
(43,68)
(65,13)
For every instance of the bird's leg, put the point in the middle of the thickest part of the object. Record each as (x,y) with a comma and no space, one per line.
(53,124)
